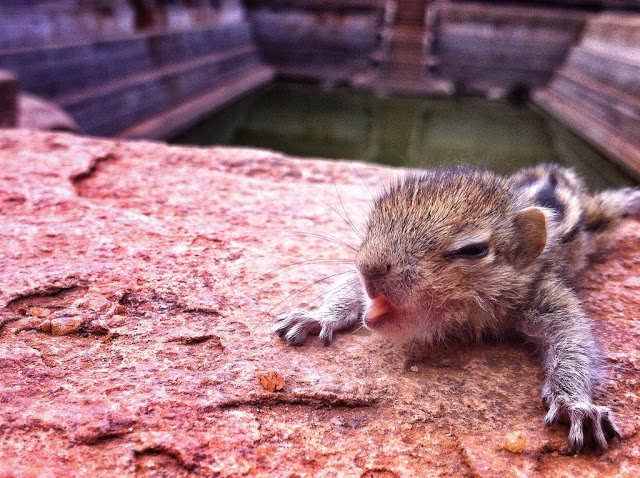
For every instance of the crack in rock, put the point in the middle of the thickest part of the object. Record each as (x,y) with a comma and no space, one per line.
(294,398)
(167,451)
(196,339)
(106,430)
(59,294)
(79,179)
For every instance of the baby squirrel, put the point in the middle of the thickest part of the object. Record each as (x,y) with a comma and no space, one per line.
(467,253)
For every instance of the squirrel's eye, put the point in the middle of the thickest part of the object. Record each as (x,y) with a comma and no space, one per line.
(470,251)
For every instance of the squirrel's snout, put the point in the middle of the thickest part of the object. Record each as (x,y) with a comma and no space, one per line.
(374,274)
(374,270)
(372,262)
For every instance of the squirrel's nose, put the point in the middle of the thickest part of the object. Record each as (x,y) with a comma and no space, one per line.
(373,270)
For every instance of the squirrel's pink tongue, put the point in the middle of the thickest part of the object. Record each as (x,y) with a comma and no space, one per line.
(377,310)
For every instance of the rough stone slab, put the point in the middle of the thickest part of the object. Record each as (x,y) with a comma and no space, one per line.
(37,113)
(136,328)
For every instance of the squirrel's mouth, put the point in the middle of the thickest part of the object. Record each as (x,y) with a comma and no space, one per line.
(380,310)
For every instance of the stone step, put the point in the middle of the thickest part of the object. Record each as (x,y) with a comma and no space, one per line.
(608,67)
(495,17)
(406,43)
(406,59)
(391,56)
(170,123)
(481,34)
(479,79)
(326,74)
(502,61)
(61,69)
(592,128)
(396,63)
(484,74)
(516,50)
(52,55)
(403,18)
(135,98)
(191,38)
(286,30)
(406,48)
(78,74)
(396,75)
(603,101)
(425,86)
(406,33)
(619,29)
(306,56)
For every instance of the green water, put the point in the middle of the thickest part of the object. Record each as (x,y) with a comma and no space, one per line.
(302,120)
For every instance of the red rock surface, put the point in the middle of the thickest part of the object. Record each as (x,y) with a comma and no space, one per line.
(135,326)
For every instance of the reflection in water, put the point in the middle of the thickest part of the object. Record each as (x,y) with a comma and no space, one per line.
(402,131)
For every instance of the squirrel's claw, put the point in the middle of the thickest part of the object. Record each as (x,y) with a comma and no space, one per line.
(596,421)
(293,327)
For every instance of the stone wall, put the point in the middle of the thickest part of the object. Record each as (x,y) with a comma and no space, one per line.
(135,78)
(8,99)
(326,41)
(496,50)
(597,90)
(151,68)
(45,22)
(39,22)
(417,46)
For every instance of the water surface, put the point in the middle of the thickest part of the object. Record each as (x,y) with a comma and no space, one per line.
(303,120)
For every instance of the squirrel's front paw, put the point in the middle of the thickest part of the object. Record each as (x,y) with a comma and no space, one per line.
(589,423)
(294,327)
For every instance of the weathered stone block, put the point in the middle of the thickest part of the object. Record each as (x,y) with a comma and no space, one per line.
(9,89)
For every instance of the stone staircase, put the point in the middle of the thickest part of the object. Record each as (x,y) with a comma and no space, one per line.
(138,76)
(403,59)
(410,13)
(597,90)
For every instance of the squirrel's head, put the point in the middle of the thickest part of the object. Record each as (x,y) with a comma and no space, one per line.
(443,250)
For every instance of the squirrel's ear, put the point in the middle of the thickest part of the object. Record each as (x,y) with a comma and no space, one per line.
(530,228)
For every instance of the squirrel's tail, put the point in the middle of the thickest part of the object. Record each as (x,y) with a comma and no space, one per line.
(605,209)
